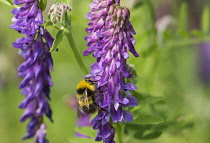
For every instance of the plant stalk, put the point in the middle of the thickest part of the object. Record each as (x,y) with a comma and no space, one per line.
(119,133)
(152,17)
(76,53)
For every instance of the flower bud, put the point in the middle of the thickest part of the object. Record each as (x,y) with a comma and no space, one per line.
(57,12)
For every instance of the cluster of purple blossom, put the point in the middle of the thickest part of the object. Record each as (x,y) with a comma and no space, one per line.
(110,38)
(35,70)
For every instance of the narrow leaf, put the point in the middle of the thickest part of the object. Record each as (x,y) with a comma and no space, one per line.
(48,24)
(152,100)
(58,40)
(63,1)
(143,131)
(42,4)
(183,16)
(7,2)
(149,135)
(147,119)
(147,99)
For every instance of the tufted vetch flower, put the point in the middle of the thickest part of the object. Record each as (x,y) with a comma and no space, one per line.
(110,38)
(35,70)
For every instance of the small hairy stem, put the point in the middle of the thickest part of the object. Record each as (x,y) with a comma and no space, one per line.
(76,53)
(119,133)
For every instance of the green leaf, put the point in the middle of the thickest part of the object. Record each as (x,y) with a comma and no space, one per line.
(149,135)
(152,100)
(57,40)
(42,4)
(48,24)
(206,20)
(183,16)
(89,131)
(138,4)
(7,2)
(196,33)
(147,119)
(63,1)
(143,131)
(147,52)
(82,140)
(147,99)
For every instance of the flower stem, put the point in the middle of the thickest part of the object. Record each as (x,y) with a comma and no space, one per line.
(76,53)
(153,21)
(119,132)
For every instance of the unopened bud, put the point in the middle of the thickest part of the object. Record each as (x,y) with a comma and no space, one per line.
(57,11)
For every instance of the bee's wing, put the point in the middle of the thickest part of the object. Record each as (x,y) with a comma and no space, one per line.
(85,93)
(79,111)
(84,99)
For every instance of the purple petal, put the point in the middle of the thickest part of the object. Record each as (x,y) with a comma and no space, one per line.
(132,101)
(129,86)
(127,116)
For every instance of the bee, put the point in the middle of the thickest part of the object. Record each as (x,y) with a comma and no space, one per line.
(86,91)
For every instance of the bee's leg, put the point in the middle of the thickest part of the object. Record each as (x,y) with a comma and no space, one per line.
(97,107)
(79,112)
(103,109)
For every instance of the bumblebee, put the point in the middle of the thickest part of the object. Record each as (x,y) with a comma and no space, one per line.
(86,91)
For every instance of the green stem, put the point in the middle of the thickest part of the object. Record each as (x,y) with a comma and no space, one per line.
(76,53)
(119,132)
(9,3)
(152,17)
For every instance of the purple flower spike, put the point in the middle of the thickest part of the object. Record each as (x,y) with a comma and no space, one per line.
(35,70)
(110,38)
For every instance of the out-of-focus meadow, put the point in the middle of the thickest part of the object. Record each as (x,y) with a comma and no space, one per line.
(174,46)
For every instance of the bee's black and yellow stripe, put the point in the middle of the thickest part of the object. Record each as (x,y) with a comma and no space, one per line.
(86,91)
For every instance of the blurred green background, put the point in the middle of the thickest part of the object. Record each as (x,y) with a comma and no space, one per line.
(168,39)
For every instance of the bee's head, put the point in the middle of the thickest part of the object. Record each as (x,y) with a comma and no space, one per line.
(89,80)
